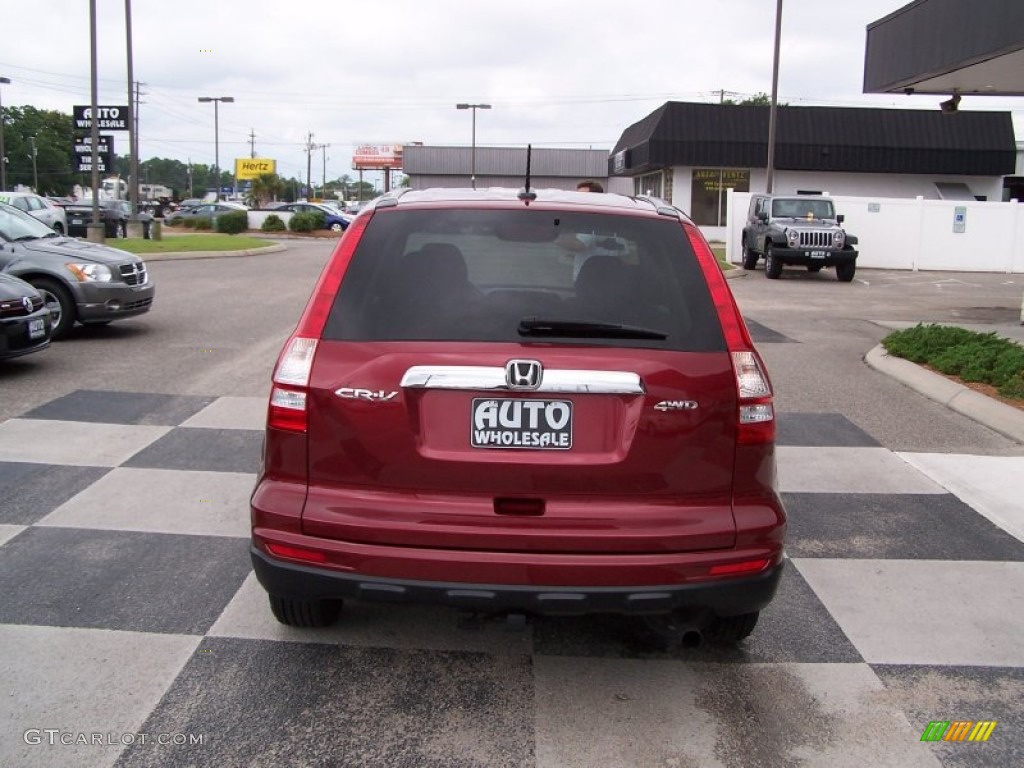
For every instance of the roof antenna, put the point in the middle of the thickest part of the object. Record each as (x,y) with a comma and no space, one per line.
(527,195)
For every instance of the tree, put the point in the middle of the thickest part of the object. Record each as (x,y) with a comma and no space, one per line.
(757,100)
(53,135)
(265,188)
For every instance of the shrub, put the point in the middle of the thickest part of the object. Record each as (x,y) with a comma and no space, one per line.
(203,223)
(972,356)
(189,223)
(273,223)
(233,223)
(319,219)
(302,222)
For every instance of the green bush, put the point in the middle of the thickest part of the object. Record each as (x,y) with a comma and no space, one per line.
(233,223)
(971,356)
(189,223)
(204,223)
(319,219)
(273,223)
(302,222)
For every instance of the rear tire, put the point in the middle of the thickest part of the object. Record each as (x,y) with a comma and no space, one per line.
(750,257)
(772,265)
(729,630)
(305,613)
(845,272)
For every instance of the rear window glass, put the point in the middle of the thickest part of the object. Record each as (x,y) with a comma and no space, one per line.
(475,275)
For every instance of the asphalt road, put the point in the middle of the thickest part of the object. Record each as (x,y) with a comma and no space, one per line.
(130,610)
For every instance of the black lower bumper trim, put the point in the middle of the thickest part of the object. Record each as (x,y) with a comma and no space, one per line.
(729,597)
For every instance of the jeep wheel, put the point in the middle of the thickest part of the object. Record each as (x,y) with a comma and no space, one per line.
(749,258)
(305,613)
(845,272)
(814,268)
(772,265)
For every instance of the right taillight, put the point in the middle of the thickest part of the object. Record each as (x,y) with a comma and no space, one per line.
(756,415)
(756,412)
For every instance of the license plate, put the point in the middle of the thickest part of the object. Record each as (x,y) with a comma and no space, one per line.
(36,328)
(76,221)
(819,254)
(528,424)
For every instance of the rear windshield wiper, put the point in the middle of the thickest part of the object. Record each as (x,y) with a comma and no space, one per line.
(533,326)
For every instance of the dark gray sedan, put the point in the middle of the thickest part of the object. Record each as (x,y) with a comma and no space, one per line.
(79,281)
(25,324)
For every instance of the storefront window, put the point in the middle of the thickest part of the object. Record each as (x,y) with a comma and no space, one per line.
(649,185)
(707,197)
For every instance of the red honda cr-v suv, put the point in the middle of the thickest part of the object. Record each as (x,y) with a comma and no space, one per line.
(534,402)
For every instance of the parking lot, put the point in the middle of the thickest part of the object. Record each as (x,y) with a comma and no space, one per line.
(134,632)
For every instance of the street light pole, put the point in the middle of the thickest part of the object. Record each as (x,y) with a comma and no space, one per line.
(474,107)
(216,137)
(3,155)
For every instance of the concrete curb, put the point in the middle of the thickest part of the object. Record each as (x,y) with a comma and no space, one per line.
(181,255)
(997,416)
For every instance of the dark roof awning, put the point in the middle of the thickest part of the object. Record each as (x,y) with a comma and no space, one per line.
(841,139)
(947,46)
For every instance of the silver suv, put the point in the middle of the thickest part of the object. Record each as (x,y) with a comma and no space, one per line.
(797,230)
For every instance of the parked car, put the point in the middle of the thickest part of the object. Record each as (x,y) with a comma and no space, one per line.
(205,211)
(457,420)
(42,208)
(333,219)
(797,230)
(79,281)
(25,324)
(114,216)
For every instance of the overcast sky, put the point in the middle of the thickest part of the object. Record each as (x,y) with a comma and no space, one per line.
(568,73)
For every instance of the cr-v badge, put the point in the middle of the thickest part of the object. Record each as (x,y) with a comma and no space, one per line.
(351,393)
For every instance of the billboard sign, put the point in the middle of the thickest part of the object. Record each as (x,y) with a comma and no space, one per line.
(372,157)
(110,118)
(254,167)
(83,154)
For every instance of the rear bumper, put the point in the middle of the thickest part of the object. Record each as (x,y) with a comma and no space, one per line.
(722,596)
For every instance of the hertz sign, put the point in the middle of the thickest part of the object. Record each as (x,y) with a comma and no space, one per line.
(254,167)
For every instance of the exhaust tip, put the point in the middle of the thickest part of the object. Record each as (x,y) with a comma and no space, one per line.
(692,639)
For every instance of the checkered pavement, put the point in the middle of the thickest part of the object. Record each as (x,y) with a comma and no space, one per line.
(130,613)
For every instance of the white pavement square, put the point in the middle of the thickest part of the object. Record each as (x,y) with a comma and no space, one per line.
(231,413)
(992,485)
(161,501)
(848,470)
(81,681)
(74,443)
(924,611)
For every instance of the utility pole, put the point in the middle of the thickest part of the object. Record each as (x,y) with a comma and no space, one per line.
(324,187)
(3,154)
(35,173)
(252,143)
(133,147)
(310,146)
(190,177)
(773,109)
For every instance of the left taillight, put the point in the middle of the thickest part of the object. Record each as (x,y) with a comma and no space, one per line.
(290,394)
(288,398)
(756,412)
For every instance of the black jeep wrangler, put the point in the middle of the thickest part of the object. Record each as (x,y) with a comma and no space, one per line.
(800,230)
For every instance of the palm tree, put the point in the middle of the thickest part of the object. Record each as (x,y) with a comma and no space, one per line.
(265,188)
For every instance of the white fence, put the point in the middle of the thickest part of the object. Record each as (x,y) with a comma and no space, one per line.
(900,233)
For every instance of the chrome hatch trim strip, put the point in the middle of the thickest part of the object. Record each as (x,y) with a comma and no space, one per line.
(554,380)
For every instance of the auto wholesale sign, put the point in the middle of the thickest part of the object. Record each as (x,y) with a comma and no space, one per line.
(110,118)
(254,167)
(368,157)
(83,154)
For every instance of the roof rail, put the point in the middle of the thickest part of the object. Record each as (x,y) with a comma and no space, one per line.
(660,206)
(390,198)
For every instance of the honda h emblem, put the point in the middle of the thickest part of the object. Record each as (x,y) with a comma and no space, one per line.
(523,374)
